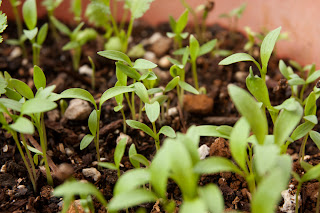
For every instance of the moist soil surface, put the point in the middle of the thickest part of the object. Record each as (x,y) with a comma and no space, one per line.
(64,136)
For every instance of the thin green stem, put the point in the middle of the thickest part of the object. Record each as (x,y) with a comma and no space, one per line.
(29,156)
(124,121)
(303,147)
(302,92)
(140,109)
(97,137)
(76,56)
(297,197)
(156,139)
(194,74)
(195,18)
(129,31)
(15,137)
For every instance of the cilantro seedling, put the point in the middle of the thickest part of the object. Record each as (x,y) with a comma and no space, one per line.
(94,118)
(137,159)
(234,15)
(36,37)
(118,154)
(76,9)
(51,6)
(177,28)
(3,22)
(77,38)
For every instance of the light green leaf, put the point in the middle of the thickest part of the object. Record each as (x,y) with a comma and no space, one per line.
(167,131)
(209,131)
(237,57)
(311,118)
(315,136)
(142,92)
(267,46)
(154,91)
(42,34)
(31,34)
(119,151)
(224,129)
(152,111)
(249,108)
(23,125)
(188,87)
(137,7)
(191,206)
(114,91)
(85,142)
(181,23)
(283,69)
(130,199)
(238,142)
(37,105)
(296,81)
(213,165)
(172,84)
(108,165)
(72,188)
(115,55)
(194,48)
(131,180)
(71,45)
(302,130)
(29,12)
(132,73)
(22,88)
(265,157)
(310,107)
(11,104)
(39,78)
(141,159)
(213,198)
(92,122)
(141,126)
(286,123)
(144,64)
(60,26)
(268,193)
(79,93)
(207,47)
(313,173)
(314,76)
(133,151)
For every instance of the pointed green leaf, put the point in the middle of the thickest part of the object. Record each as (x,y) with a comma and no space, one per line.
(60,26)
(167,131)
(42,34)
(213,165)
(37,105)
(92,122)
(194,48)
(207,47)
(191,206)
(152,111)
(141,159)
(22,88)
(119,151)
(86,140)
(302,130)
(237,57)
(315,136)
(31,34)
(265,157)
(114,91)
(172,84)
(210,193)
(39,78)
(133,151)
(29,12)
(144,64)
(129,71)
(108,165)
(188,87)
(142,92)
(115,55)
(249,108)
(23,125)
(141,126)
(314,76)
(181,22)
(11,104)
(79,93)
(313,173)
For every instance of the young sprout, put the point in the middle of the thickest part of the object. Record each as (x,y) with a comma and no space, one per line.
(94,118)
(77,37)
(153,112)
(76,9)
(205,9)
(29,11)
(50,6)
(93,75)
(3,22)
(234,15)
(21,38)
(137,159)
(118,154)
(177,28)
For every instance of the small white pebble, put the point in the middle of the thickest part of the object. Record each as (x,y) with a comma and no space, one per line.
(173,111)
(85,70)
(203,151)
(69,151)
(289,199)
(91,172)
(155,37)
(121,136)
(5,148)
(306,157)
(164,62)
(15,53)
(3,168)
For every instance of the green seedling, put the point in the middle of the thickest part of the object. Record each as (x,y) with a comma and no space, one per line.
(176,160)
(76,9)
(308,75)
(118,154)
(312,172)
(234,15)
(195,50)
(77,37)
(126,68)
(29,11)
(93,76)
(21,38)
(205,9)
(137,159)
(153,113)
(70,189)
(94,118)
(177,28)
(50,6)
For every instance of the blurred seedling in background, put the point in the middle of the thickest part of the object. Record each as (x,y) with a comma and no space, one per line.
(77,38)
(177,28)
(51,6)
(36,37)
(233,16)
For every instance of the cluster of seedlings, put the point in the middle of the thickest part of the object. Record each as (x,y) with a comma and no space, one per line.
(258,149)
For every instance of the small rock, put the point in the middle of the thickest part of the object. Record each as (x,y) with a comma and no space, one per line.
(24,62)
(164,62)
(5,148)
(3,168)
(85,70)
(173,111)
(53,115)
(154,38)
(203,151)
(69,151)
(200,104)
(78,110)
(289,200)
(220,147)
(91,172)
(121,136)
(163,75)
(20,191)
(241,76)
(15,53)
(150,56)
(162,46)
(64,171)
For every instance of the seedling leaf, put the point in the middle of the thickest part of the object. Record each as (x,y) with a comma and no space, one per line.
(119,151)
(152,111)
(141,159)
(172,84)
(188,87)
(315,136)
(86,140)
(131,180)
(211,193)
(132,73)
(78,93)
(302,130)
(92,122)
(108,165)
(207,47)
(265,157)
(314,76)
(237,58)
(144,64)
(194,48)
(31,34)
(39,78)
(115,55)
(22,88)
(42,34)
(29,12)
(191,206)
(114,91)
(141,126)
(213,165)
(37,105)
(23,125)
(167,131)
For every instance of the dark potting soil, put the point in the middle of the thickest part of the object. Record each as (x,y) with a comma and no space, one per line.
(16,193)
